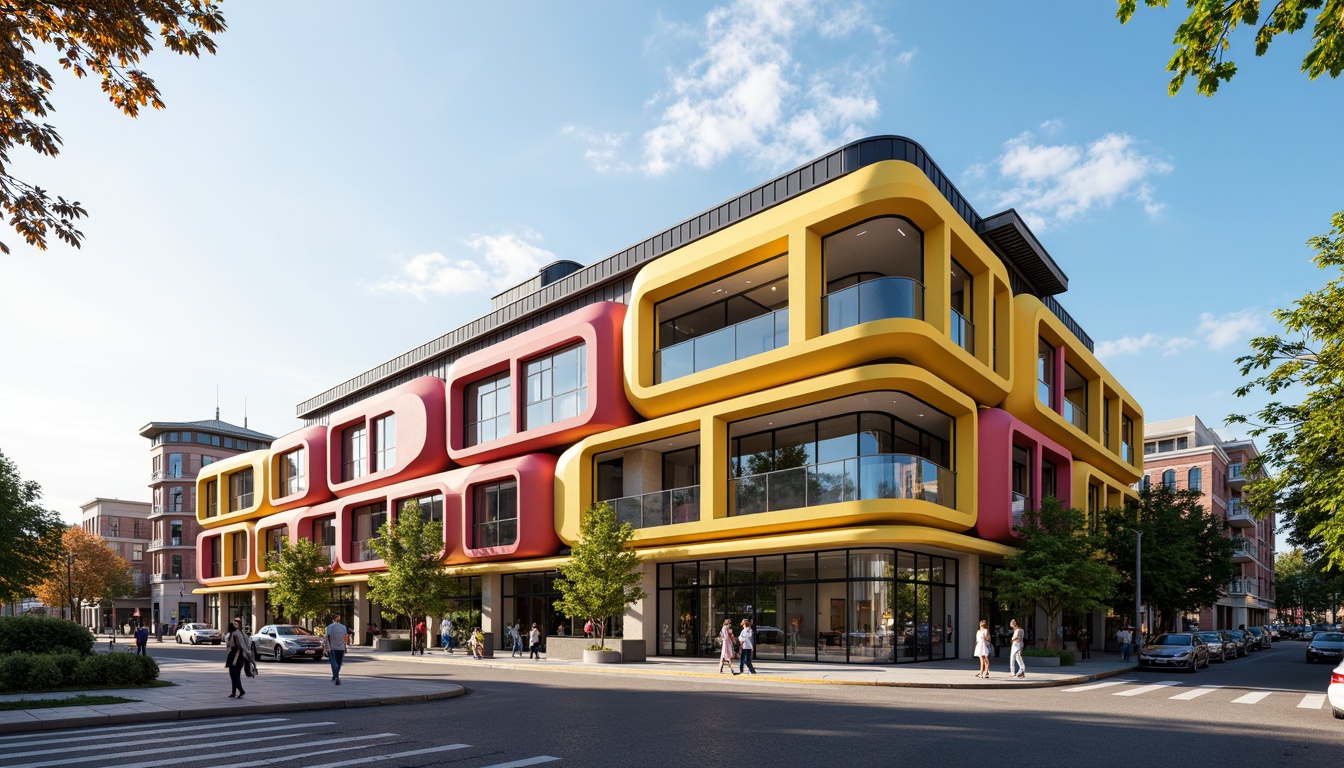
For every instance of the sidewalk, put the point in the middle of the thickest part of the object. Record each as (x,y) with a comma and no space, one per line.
(200,688)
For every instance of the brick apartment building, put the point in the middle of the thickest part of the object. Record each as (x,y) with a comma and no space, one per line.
(125,525)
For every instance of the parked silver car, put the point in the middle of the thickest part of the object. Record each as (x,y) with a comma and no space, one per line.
(1181,650)
(1326,646)
(286,641)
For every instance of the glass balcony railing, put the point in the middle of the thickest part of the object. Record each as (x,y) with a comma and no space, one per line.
(1235,473)
(963,332)
(328,551)
(363,550)
(1043,394)
(1127,453)
(884,476)
(736,342)
(678,505)
(1075,414)
(239,567)
(1021,503)
(880,299)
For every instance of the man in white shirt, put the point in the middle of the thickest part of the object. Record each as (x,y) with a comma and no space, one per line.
(334,640)
(747,641)
(1125,638)
(1016,666)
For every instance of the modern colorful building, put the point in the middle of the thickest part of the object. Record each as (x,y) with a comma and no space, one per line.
(820,404)
(1184,454)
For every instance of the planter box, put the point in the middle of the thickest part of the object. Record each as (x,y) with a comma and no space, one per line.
(391,644)
(573,648)
(601,657)
(1041,661)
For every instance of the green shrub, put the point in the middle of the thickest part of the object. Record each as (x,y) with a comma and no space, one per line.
(149,668)
(42,634)
(1066,658)
(67,663)
(91,671)
(14,669)
(45,674)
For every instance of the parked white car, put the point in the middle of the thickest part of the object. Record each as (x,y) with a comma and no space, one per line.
(198,633)
(1336,691)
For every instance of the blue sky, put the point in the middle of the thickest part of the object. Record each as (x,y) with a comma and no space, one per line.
(337,186)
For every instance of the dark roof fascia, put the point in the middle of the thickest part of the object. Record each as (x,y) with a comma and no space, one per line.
(1013,240)
(209,425)
(827,168)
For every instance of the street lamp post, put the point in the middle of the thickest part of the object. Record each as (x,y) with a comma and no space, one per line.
(1138,583)
(69,584)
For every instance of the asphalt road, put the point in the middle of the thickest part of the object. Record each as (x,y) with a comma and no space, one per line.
(1264,710)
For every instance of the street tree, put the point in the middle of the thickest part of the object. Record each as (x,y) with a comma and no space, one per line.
(104,38)
(601,577)
(31,535)
(96,574)
(414,584)
(1058,565)
(1204,39)
(1187,561)
(301,580)
(1302,438)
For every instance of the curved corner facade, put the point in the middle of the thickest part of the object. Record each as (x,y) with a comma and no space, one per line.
(822,405)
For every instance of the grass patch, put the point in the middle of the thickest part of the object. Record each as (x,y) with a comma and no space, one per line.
(71,701)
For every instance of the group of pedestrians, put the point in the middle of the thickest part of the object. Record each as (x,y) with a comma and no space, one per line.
(740,647)
(1016,666)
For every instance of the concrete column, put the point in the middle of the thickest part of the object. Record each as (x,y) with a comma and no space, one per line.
(641,618)
(642,472)
(492,611)
(358,623)
(258,609)
(968,603)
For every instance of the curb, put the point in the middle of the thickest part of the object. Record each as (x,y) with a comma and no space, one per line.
(449,692)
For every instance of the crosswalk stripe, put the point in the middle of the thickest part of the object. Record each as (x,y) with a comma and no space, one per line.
(1146,688)
(1312,701)
(538,760)
(1195,693)
(392,755)
(161,739)
(1253,697)
(1094,686)
(178,759)
(136,730)
(304,746)
(306,755)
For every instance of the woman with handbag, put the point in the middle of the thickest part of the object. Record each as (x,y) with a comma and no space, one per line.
(727,655)
(238,658)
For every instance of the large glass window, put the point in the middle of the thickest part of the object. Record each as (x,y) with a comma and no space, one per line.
(868,606)
(274,539)
(557,386)
(732,318)
(874,271)
(1195,479)
(1169,479)
(384,443)
(240,490)
(431,506)
(366,520)
(354,452)
(845,457)
(174,465)
(1045,373)
(1075,397)
(960,325)
(495,514)
(292,467)
(489,406)
(212,498)
(324,535)
(238,545)
(665,486)
(1126,438)
(175,533)
(175,499)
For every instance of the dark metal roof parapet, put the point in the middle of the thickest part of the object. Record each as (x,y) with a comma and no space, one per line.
(805,178)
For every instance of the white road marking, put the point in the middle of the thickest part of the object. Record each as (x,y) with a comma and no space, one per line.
(1146,688)
(315,753)
(136,730)
(158,740)
(1095,686)
(1196,692)
(390,756)
(1312,701)
(177,759)
(538,760)
(1255,697)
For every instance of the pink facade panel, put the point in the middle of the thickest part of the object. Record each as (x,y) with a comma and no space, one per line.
(284,520)
(999,433)
(533,476)
(387,438)
(598,327)
(308,448)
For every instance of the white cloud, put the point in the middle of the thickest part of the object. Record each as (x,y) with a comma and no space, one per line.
(1222,331)
(1053,183)
(1214,332)
(603,149)
(746,95)
(500,261)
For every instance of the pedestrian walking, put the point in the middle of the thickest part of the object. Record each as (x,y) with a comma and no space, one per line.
(334,642)
(478,643)
(1084,644)
(746,641)
(1016,666)
(142,641)
(534,642)
(516,639)
(981,651)
(172,628)
(726,653)
(1125,638)
(446,634)
(238,658)
(588,628)
(418,637)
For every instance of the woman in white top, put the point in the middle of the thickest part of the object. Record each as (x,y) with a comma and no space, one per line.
(982,648)
(726,655)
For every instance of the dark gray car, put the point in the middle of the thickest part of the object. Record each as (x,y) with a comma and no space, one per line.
(286,641)
(1221,645)
(1326,646)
